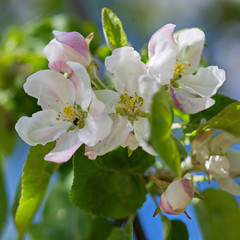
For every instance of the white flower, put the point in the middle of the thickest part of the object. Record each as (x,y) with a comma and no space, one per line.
(177,197)
(67,46)
(129,107)
(212,155)
(71,113)
(173,62)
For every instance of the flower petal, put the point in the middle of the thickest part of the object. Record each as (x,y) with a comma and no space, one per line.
(120,130)
(109,97)
(66,146)
(98,124)
(67,47)
(190,45)
(51,89)
(188,102)
(229,185)
(125,63)
(82,83)
(222,142)
(41,128)
(147,88)
(234,160)
(142,133)
(205,83)
(161,64)
(165,206)
(165,33)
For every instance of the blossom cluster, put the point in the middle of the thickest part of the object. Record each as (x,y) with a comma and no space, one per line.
(75,113)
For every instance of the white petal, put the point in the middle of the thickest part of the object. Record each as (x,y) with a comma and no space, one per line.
(147,88)
(161,64)
(165,206)
(41,128)
(165,33)
(125,63)
(109,97)
(229,185)
(67,47)
(120,130)
(234,160)
(218,166)
(142,133)
(205,83)
(131,142)
(98,124)
(51,89)
(188,102)
(191,43)
(66,146)
(82,83)
(222,142)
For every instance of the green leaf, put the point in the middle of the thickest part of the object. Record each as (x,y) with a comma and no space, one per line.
(174,229)
(181,149)
(35,180)
(161,140)
(103,51)
(112,185)
(228,120)
(218,215)
(3,198)
(61,220)
(179,230)
(122,234)
(113,29)
(221,102)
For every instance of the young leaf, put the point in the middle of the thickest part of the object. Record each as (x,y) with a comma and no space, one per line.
(218,216)
(181,149)
(113,29)
(112,185)
(35,180)
(161,140)
(228,120)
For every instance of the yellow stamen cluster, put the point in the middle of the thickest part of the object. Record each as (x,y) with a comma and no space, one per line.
(180,68)
(73,114)
(131,104)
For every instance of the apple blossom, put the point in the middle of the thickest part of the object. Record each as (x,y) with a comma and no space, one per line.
(68,46)
(174,61)
(210,153)
(129,107)
(71,114)
(177,197)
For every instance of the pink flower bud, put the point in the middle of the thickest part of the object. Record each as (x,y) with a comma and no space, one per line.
(67,46)
(177,197)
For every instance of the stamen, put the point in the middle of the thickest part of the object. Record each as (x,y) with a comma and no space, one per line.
(180,68)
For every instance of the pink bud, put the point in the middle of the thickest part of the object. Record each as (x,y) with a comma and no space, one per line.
(177,197)
(67,46)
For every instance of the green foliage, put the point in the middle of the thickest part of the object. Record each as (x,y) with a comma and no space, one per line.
(218,215)
(61,220)
(112,185)
(181,149)
(228,120)
(122,234)
(35,180)
(161,120)
(113,30)
(174,229)
(103,52)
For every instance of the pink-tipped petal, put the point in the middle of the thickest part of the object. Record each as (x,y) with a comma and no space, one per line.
(66,146)
(164,34)
(165,206)
(190,45)
(205,83)
(188,102)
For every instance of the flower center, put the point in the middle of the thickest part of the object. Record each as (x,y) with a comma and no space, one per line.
(131,106)
(73,114)
(179,69)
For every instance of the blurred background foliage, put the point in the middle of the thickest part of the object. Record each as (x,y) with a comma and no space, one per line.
(26,28)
